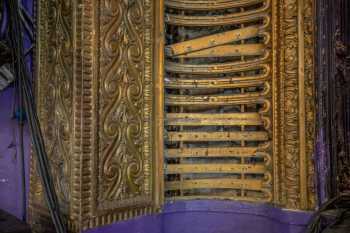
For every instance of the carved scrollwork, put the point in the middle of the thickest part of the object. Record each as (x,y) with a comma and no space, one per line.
(122,91)
(57,94)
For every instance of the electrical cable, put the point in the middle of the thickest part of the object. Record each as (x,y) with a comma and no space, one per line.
(33,121)
(340,203)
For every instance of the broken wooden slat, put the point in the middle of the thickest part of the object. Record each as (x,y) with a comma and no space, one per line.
(212,40)
(227,51)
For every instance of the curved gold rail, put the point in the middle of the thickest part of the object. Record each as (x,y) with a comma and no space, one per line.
(220,20)
(215,100)
(209,4)
(218,68)
(218,100)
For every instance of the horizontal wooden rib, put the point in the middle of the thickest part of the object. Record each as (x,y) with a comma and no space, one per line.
(217,136)
(188,119)
(217,196)
(218,68)
(215,168)
(214,100)
(212,152)
(219,82)
(212,40)
(222,183)
(227,51)
(209,4)
(253,16)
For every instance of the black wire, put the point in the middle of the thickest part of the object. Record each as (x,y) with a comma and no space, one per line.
(27,23)
(340,202)
(33,121)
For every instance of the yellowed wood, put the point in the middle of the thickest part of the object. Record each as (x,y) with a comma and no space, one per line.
(223,196)
(213,152)
(206,84)
(188,119)
(212,40)
(217,136)
(208,4)
(217,82)
(221,183)
(219,68)
(227,51)
(215,168)
(228,19)
(224,100)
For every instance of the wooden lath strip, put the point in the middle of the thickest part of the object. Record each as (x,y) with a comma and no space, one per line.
(216,82)
(217,136)
(227,51)
(220,183)
(207,84)
(188,119)
(215,168)
(212,40)
(220,68)
(224,100)
(212,152)
(227,196)
(254,16)
(209,4)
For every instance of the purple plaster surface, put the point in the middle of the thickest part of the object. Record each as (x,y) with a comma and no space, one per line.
(208,216)
(322,167)
(10,163)
(10,166)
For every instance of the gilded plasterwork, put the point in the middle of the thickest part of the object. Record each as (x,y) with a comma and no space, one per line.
(55,93)
(98,88)
(124,102)
(297,104)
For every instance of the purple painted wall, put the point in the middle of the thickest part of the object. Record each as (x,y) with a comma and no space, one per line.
(10,167)
(214,217)
(10,163)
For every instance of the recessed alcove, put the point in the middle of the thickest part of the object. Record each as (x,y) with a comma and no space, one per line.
(204,216)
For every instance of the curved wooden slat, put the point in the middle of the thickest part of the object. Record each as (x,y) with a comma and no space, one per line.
(209,4)
(243,98)
(267,197)
(224,100)
(219,20)
(219,68)
(223,183)
(217,136)
(205,83)
(215,168)
(215,152)
(205,119)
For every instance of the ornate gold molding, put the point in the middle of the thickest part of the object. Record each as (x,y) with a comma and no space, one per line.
(100,99)
(297,104)
(96,57)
